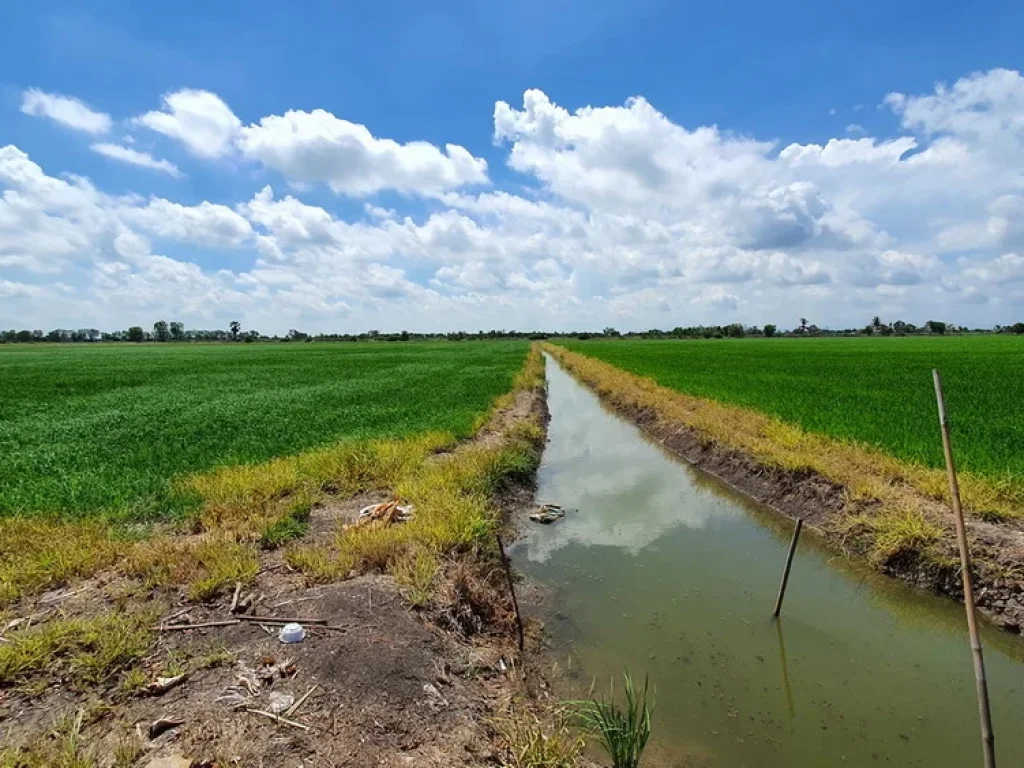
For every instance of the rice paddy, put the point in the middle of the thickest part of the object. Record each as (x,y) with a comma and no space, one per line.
(108,431)
(872,391)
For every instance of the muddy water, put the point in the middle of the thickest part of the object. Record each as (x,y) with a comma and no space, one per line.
(664,570)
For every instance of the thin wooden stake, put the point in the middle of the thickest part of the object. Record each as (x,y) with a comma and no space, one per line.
(789,563)
(988,739)
(512,589)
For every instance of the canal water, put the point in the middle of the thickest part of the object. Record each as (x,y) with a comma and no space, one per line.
(662,570)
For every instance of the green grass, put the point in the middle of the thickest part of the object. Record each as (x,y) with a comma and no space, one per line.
(106,430)
(875,391)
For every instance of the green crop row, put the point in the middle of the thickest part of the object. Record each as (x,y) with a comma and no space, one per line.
(874,391)
(105,430)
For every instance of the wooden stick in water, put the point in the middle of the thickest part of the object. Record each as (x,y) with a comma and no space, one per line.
(512,589)
(785,572)
(987,737)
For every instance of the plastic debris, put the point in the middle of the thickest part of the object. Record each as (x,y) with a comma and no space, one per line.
(548,513)
(434,698)
(163,684)
(292,633)
(386,513)
(280,702)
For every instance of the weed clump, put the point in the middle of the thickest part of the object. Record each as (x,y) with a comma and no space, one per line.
(84,651)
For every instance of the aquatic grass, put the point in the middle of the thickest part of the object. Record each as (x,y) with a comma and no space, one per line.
(106,431)
(622,731)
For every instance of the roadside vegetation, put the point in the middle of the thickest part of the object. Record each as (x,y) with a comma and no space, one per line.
(108,431)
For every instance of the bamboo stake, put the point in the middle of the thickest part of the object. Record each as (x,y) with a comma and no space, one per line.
(512,589)
(785,572)
(984,713)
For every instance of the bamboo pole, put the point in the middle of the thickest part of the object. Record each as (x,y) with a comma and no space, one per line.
(785,572)
(985,715)
(512,589)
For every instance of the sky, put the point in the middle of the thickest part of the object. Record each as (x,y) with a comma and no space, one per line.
(341,166)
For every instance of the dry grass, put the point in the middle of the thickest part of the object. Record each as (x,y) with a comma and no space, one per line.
(897,533)
(415,572)
(528,741)
(38,554)
(451,492)
(206,565)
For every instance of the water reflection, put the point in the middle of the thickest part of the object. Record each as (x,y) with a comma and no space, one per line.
(625,492)
(663,569)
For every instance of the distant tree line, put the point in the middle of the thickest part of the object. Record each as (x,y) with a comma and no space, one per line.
(176,332)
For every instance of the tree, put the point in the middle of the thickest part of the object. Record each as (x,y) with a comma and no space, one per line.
(803,322)
(1017,328)
(235,327)
(609,331)
(876,322)
(936,327)
(161,331)
(177,331)
(769,331)
(135,333)
(24,336)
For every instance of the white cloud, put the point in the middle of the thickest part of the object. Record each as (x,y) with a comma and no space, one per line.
(136,157)
(198,119)
(65,110)
(206,224)
(317,146)
(616,215)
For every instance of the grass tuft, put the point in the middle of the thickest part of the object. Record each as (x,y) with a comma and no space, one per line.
(86,651)
(898,533)
(622,731)
(38,554)
(531,743)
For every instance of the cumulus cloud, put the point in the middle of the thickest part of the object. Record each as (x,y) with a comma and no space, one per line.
(66,110)
(617,215)
(136,157)
(207,224)
(317,146)
(198,119)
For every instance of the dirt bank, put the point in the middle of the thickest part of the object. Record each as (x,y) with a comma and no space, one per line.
(902,531)
(386,683)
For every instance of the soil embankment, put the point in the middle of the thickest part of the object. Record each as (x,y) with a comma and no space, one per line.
(860,502)
(381,679)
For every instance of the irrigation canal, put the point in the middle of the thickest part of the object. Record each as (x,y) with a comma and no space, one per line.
(663,569)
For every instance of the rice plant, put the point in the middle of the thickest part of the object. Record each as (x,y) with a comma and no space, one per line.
(622,731)
(107,430)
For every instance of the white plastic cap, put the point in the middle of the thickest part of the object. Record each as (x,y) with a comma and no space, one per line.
(292,633)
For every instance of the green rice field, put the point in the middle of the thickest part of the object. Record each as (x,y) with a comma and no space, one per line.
(873,390)
(86,430)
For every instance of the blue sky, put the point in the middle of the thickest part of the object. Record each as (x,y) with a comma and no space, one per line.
(703,201)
